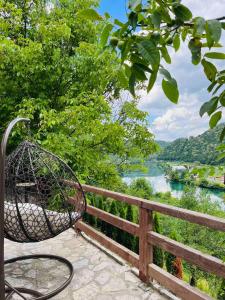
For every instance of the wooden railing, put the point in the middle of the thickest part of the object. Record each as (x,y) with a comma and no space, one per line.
(148,238)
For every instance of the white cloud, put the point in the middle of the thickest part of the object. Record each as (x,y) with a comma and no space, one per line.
(206,8)
(180,121)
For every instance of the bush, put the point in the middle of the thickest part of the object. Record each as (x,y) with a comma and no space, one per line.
(141,188)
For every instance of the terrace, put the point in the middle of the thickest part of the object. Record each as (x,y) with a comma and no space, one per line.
(98,275)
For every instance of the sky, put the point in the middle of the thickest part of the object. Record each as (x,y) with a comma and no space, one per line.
(166,120)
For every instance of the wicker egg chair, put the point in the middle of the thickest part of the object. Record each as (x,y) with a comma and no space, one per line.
(37,202)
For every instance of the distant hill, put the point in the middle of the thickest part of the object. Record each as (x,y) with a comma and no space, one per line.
(201,148)
(163,144)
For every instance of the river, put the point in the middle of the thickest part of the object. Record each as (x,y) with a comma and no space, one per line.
(156,176)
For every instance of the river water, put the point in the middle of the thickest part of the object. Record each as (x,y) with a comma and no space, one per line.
(156,177)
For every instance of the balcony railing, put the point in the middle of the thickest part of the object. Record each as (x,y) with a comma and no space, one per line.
(148,271)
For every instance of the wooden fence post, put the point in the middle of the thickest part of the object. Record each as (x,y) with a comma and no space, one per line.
(145,250)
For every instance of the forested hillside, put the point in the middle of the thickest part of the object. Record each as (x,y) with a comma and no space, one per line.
(163,144)
(195,149)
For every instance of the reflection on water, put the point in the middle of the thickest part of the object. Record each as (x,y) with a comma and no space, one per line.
(156,177)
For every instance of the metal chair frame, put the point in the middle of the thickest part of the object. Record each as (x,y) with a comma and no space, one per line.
(6,290)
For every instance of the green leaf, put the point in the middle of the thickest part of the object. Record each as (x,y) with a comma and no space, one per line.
(199,26)
(209,69)
(133,19)
(215,119)
(222,135)
(222,98)
(216,90)
(211,86)
(89,14)
(215,55)
(184,34)
(165,14)
(165,73)
(122,78)
(176,42)
(105,34)
(143,67)
(222,155)
(213,32)
(149,52)
(107,15)
(165,55)
(209,106)
(152,80)
(125,50)
(118,23)
(132,81)
(170,90)
(133,4)
(195,46)
(139,72)
(156,19)
(182,12)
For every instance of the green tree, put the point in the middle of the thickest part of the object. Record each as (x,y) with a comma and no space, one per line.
(91,219)
(112,231)
(188,199)
(121,233)
(129,240)
(221,293)
(53,70)
(100,206)
(141,188)
(158,258)
(173,263)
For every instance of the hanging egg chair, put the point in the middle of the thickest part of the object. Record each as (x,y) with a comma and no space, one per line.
(39,200)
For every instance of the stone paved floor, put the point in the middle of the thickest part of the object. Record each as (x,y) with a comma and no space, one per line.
(97,275)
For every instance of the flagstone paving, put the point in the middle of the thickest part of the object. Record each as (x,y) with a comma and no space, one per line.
(97,275)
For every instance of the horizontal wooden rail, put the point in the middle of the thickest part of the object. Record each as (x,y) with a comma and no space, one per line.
(179,287)
(204,261)
(114,220)
(181,213)
(110,244)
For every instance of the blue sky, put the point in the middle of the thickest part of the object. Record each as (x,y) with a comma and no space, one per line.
(166,120)
(116,8)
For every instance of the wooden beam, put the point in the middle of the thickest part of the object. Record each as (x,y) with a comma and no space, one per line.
(175,285)
(145,250)
(110,244)
(114,220)
(205,262)
(187,215)
(180,213)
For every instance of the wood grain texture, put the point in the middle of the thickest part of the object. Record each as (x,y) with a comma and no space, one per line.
(114,220)
(145,250)
(115,247)
(205,262)
(175,285)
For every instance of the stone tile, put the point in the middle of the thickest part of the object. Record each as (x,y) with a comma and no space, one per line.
(87,292)
(131,277)
(96,275)
(114,285)
(127,297)
(103,278)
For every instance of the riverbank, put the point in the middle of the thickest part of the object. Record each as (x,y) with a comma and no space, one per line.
(155,175)
(204,176)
